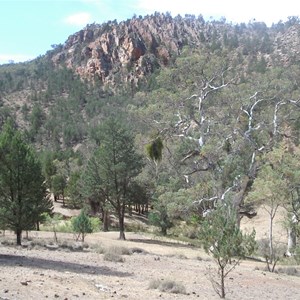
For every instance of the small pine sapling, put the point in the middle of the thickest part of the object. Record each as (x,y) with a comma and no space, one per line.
(224,241)
(82,225)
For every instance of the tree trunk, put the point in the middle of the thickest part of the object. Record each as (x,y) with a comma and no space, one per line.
(122,235)
(130,210)
(271,251)
(222,283)
(19,237)
(55,235)
(121,224)
(292,239)
(37,226)
(164,231)
(105,220)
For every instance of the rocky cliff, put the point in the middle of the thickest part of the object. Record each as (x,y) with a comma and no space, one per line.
(127,51)
(114,53)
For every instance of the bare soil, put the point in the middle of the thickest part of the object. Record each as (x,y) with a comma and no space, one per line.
(34,271)
(40,273)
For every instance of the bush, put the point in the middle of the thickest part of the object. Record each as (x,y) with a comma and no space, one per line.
(119,250)
(98,248)
(264,251)
(82,225)
(109,256)
(96,223)
(292,271)
(169,286)
(136,227)
(161,219)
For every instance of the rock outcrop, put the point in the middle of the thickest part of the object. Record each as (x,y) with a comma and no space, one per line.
(127,51)
(115,53)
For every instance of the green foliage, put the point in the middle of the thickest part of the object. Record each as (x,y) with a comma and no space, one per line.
(160,218)
(112,168)
(95,223)
(200,104)
(36,118)
(73,190)
(277,186)
(82,225)
(58,185)
(154,149)
(23,196)
(222,238)
(53,222)
(174,206)
(48,167)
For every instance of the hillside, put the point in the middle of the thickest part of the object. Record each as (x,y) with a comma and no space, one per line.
(116,60)
(213,108)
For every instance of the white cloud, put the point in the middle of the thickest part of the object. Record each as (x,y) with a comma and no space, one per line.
(14,58)
(79,19)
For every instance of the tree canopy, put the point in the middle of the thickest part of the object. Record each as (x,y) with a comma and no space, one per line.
(113,166)
(23,195)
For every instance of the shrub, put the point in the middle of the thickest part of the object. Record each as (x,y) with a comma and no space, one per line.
(109,256)
(82,225)
(119,250)
(264,250)
(96,223)
(292,271)
(169,286)
(98,248)
(161,219)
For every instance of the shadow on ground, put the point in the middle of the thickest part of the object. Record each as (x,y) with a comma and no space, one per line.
(39,263)
(162,243)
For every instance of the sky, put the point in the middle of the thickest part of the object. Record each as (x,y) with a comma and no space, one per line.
(28,28)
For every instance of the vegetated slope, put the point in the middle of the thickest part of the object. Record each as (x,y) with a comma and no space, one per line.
(220,97)
(120,58)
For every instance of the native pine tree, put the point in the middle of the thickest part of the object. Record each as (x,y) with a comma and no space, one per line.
(222,238)
(23,195)
(116,164)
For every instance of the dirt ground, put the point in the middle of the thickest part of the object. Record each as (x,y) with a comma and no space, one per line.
(34,271)
(40,273)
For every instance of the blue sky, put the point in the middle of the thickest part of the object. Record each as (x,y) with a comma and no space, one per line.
(28,28)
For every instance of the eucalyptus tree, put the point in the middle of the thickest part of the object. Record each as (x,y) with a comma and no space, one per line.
(23,194)
(113,168)
(217,120)
(277,185)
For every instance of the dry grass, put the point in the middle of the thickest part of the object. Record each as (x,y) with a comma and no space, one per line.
(168,286)
(113,257)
